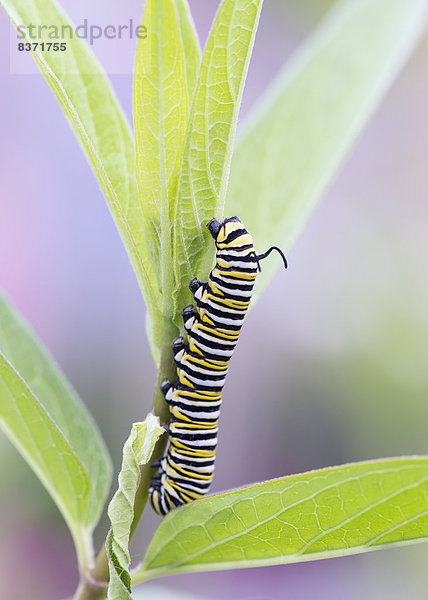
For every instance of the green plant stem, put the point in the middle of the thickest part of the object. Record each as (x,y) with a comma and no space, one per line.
(90,589)
(94,585)
(167,370)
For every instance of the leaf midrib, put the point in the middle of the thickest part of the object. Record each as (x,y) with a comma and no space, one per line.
(165,215)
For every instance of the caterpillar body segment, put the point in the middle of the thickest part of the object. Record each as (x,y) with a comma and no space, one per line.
(194,400)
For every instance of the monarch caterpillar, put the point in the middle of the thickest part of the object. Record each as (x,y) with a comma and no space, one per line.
(194,400)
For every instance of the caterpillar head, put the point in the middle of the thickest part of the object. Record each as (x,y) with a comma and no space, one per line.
(232,235)
(221,231)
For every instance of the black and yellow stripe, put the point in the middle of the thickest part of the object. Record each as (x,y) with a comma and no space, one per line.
(194,400)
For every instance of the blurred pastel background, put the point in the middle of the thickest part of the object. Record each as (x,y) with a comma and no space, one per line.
(332,366)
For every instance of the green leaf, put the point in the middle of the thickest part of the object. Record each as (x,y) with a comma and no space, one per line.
(190,42)
(320,514)
(91,107)
(166,68)
(209,142)
(305,125)
(43,377)
(43,445)
(137,451)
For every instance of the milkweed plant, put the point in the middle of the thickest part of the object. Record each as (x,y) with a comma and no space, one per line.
(163,182)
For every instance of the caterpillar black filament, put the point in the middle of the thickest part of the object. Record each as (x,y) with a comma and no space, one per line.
(194,400)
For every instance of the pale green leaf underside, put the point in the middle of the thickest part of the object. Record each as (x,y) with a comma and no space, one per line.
(209,141)
(163,88)
(320,514)
(306,124)
(90,105)
(137,451)
(43,445)
(43,377)
(190,43)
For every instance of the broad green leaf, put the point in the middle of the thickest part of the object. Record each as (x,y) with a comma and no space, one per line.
(190,42)
(166,68)
(137,451)
(90,105)
(43,377)
(305,125)
(43,445)
(209,141)
(320,514)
